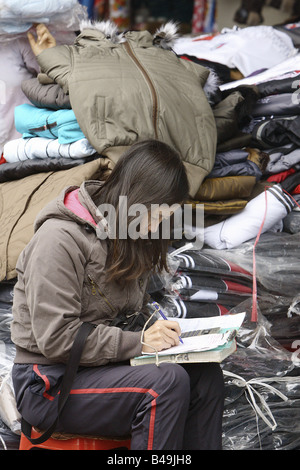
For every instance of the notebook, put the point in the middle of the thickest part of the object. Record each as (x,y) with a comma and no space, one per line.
(209,339)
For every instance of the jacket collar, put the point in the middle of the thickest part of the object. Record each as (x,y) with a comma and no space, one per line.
(57,208)
(87,191)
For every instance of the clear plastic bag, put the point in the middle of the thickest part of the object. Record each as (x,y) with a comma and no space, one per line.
(8,411)
(262,390)
(8,439)
(262,383)
(14,25)
(294,308)
(6,299)
(277,258)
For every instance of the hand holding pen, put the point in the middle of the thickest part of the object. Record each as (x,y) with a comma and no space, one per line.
(159,310)
(161,335)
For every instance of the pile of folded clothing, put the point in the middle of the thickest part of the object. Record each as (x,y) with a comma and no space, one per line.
(51,137)
(202,285)
(251,207)
(277,262)
(256,110)
(262,391)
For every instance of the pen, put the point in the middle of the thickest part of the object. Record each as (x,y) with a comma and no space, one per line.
(159,310)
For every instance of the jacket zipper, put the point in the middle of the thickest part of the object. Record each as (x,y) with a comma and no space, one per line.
(95,289)
(149,81)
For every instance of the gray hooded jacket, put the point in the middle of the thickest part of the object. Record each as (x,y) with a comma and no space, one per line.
(61,283)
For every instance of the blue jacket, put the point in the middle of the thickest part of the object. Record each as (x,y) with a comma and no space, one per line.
(62,124)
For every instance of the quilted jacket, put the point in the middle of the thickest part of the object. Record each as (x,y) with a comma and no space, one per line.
(131,90)
(61,275)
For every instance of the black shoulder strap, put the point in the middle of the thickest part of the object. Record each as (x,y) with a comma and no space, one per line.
(71,369)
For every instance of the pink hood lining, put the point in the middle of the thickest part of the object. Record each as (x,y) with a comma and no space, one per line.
(73,204)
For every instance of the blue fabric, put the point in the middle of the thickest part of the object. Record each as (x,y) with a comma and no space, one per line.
(234,163)
(28,117)
(90,7)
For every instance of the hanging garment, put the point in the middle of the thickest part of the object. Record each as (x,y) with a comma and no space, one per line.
(267,208)
(39,147)
(119,13)
(62,124)
(204,16)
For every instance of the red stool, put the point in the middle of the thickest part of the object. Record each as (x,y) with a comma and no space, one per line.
(60,441)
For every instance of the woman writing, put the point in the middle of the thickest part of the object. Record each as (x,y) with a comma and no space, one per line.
(71,273)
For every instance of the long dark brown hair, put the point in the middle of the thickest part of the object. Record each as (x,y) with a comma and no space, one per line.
(150,172)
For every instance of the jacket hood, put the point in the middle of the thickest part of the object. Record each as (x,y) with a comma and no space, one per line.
(164,36)
(58,209)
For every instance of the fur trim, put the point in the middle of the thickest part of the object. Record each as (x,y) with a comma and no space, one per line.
(108,28)
(166,35)
(211,87)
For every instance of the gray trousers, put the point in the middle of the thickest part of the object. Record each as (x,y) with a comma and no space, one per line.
(170,407)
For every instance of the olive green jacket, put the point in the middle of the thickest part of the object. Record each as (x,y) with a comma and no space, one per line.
(133,90)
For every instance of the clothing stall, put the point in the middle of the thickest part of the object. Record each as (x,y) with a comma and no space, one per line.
(248,187)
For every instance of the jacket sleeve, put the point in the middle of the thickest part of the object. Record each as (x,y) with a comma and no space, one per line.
(56,62)
(54,274)
(45,96)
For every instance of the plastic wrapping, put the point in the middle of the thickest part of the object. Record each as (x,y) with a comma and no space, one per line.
(262,383)
(294,308)
(277,257)
(8,439)
(16,18)
(201,285)
(8,410)
(262,390)
(9,416)
(6,299)
(240,428)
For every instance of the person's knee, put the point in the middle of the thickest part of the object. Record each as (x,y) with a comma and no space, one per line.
(216,381)
(177,380)
(207,379)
